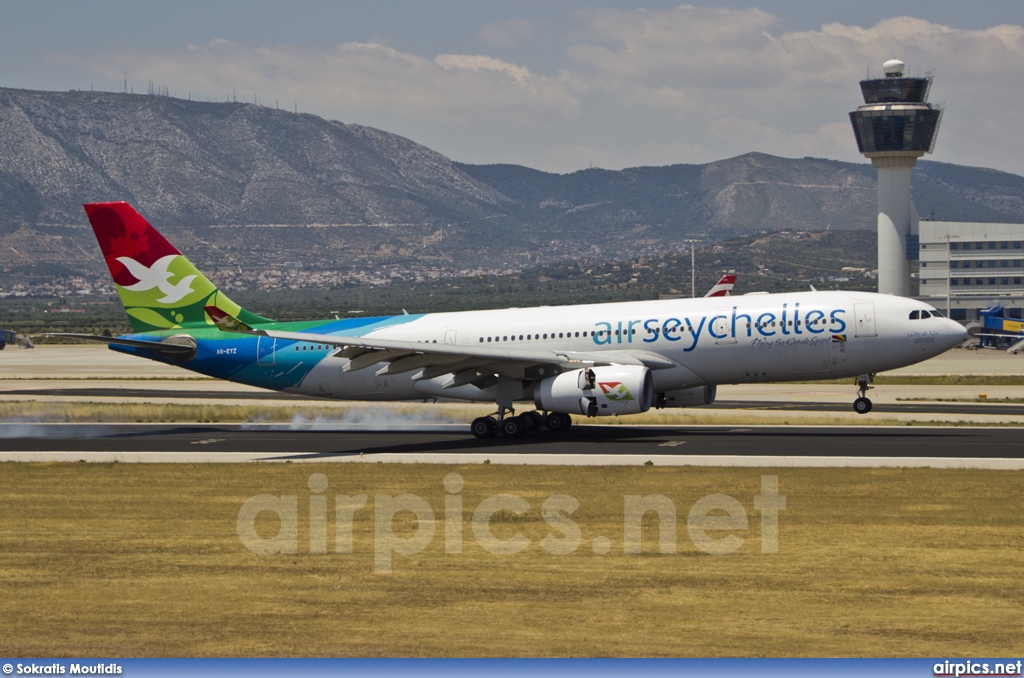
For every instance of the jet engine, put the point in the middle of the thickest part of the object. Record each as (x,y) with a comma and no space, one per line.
(698,396)
(597,391)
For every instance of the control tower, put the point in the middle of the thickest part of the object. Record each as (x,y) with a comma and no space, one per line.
(895,126)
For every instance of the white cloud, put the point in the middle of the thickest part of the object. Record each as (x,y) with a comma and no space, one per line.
(721,72)
(358,81)
(507,32)
(479,63)
(688,84)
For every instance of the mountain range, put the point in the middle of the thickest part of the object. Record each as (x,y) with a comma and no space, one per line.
(239,185)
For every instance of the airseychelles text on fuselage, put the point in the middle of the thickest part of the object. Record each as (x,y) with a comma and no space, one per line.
(761,324)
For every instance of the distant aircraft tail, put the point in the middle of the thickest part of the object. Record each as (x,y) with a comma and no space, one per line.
(723,287)
(159,287)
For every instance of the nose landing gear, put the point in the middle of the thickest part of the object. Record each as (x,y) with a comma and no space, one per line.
(862,405)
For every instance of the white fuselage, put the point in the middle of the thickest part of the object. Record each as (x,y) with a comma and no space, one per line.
(723,340)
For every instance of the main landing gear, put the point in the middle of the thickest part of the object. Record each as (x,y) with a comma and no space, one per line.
(862,405)
(514,426)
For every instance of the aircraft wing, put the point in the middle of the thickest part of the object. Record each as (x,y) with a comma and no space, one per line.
(439,359)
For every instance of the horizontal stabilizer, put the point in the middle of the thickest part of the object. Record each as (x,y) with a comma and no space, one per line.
(170,348)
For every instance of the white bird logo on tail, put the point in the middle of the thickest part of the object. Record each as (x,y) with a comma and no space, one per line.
(158,276)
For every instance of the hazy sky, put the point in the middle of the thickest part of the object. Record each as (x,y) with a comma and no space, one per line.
(557,85)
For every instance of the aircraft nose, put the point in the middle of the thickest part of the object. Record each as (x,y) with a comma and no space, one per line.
(956,332)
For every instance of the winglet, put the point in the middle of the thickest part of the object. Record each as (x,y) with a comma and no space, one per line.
(225,321)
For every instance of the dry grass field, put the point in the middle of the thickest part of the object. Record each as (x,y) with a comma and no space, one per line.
(146,560)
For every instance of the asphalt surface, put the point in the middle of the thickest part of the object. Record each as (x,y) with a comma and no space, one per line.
(929,407)
(593,441)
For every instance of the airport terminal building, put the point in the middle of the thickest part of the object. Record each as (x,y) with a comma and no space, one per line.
(966,267)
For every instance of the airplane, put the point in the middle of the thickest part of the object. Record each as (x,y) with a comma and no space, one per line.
(588,360)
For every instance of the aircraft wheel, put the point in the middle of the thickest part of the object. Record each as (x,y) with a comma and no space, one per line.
(861,405)
(513,427)
(558,422)
(532,419)
(484,427)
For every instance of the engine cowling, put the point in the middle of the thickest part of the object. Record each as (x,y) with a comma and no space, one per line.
(597,391)
(698,396)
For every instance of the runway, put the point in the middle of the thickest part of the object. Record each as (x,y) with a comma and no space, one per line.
(952,408)
(93,374)
(587,445)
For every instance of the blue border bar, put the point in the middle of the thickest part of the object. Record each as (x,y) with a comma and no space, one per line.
(535,668)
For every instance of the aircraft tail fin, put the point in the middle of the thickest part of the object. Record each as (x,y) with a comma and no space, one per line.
(159,287)
(723,287)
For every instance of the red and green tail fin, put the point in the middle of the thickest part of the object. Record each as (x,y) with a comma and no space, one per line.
(159,287)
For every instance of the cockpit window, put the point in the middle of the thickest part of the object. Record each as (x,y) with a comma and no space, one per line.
(915,315)
(936,314)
